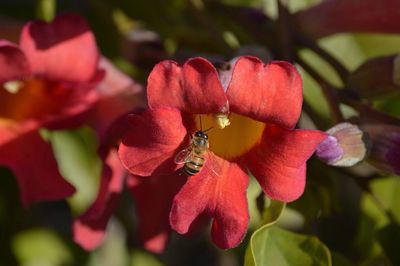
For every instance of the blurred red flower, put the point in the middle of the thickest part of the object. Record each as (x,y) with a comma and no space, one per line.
(263,103)
(54,79)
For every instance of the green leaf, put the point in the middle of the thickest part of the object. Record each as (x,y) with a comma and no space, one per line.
(375,231)
(345,48)
(340,260)
(113,250)
(79,163)
(387,190)
(378,44)
(389,104)
(253,191)
(270,216)
(40,247)
(271,245)
(313,95)
(139,258)
(278,247)
(272,212)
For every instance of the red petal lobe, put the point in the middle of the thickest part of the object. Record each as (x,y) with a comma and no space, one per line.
(267,93)
(153,139)
(192,88)
(279,161)
(31,160)
(63,50)
(220,197)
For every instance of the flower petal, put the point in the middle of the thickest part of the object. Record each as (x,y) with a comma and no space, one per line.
(267,93)
(221,197)
(153,196)
(90,228)
(192,88)
(279,161)
(13,63)
(153,139)
(31,160)
(62,50)
(119,94)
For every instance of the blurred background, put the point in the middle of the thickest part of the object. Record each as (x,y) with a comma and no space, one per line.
(353,212)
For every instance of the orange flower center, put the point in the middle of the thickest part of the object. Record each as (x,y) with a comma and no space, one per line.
(21,100)
(235,139)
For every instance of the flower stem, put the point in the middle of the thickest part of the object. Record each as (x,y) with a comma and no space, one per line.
(328,90)
(45,9)
(310,44)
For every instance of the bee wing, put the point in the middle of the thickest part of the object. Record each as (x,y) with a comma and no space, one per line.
(212,164)
(183,156)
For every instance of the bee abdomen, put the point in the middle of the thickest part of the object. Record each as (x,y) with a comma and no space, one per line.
(193,167)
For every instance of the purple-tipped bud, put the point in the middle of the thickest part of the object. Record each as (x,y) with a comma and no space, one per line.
(345,146)
(385,151)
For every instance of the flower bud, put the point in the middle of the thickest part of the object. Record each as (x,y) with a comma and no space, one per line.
(345,146)
(376,77)
(336,16)
(385,150)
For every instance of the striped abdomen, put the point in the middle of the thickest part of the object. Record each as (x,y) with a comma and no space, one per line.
(194,165)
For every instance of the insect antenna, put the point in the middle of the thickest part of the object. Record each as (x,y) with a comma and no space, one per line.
(208,129)
(201,125)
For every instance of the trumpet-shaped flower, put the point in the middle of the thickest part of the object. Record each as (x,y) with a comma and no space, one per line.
(46,81)
(249,112)
(55,80)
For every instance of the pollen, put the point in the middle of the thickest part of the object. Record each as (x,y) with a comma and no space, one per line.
(13,86)
(221,120)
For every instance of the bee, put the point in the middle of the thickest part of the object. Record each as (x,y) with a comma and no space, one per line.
(194,156)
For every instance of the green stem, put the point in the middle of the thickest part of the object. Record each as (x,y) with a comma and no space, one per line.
(310,44)
(46,9)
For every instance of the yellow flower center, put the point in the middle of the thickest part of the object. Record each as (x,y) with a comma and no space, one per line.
(236,138)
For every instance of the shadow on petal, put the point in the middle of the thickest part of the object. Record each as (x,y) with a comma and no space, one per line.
(153,196)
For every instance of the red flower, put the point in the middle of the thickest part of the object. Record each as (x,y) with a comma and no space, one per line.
(52,80)
(90,228)
(263,103)
(119,95)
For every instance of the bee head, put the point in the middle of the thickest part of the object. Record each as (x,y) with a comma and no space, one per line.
(201,134)
(200,139)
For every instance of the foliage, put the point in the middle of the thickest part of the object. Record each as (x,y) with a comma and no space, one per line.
(346,216)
